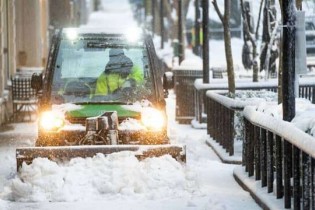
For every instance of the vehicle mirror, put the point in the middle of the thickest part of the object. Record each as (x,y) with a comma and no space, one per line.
(37,82)
(168,80)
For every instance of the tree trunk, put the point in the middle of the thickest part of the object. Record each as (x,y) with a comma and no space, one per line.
(255,64)
(225,19)
(252,38)
(228,48)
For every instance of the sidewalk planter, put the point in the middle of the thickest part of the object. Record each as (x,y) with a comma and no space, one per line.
(279,159)
(185,76)
(224,119)
(306,90)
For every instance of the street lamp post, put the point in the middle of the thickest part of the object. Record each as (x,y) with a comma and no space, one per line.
(205,42)
(288,104)
(288,75)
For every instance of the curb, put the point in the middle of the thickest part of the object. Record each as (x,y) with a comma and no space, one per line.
(221,153)
(267,201)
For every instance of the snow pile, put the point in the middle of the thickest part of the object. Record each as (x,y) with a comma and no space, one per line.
(3,205)
(117,6)
(271,108)
(114,17)
(266,101)
(131,124)
(98,178)
(261,95)
(305,116)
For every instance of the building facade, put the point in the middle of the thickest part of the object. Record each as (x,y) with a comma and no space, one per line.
(25,33)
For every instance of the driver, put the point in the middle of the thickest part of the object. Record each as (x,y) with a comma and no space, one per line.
(119,73)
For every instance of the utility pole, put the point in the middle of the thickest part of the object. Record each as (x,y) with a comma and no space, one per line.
(162,23)
(180,32)
(288,75)
(197,28)
(205,43)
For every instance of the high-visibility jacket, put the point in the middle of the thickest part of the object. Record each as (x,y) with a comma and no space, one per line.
(108,83)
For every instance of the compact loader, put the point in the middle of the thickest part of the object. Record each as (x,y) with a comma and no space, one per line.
(101,93)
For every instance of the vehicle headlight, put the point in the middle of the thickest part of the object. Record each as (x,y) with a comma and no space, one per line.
(50,121)
(72,34)
(153,118)
(133,34)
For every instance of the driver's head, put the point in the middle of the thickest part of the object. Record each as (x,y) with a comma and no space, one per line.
(118,63)
(116,52)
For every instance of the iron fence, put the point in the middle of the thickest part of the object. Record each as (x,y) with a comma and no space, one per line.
(281,157)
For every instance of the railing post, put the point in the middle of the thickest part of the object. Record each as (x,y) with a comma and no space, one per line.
(223,129)
(270,170)
(306,180)
(231,133)
(279,167)
(208,114)
(245,140)
(216,123)
(313,182)
(221,125)
(250,150)
(257,153)
(287,168)
(296,178)
(263,158)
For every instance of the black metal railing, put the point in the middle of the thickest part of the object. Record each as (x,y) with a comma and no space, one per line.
(221,111)
(281,157)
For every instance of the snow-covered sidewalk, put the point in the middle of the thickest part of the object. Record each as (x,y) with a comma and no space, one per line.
(120,181)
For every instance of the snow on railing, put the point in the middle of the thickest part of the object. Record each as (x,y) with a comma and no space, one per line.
(280,155)
(286,130)
(306,90)
(217,84)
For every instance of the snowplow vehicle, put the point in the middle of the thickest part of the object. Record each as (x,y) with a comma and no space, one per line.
(101,93)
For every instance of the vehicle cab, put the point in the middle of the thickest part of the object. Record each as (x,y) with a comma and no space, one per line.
(91,74)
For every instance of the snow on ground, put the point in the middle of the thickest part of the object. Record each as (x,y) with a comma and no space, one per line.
(115,17)
(120,181)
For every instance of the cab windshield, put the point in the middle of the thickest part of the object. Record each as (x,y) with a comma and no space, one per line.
(88,71)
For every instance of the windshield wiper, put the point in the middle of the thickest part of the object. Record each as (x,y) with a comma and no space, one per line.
(111,45)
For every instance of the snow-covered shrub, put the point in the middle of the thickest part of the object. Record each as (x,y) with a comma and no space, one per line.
(258,97)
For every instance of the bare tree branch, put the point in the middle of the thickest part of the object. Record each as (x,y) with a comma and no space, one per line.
(259,16)
(215,4)
(245,22)
(267,60)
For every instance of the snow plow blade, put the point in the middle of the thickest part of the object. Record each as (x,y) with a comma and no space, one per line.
(64,153)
